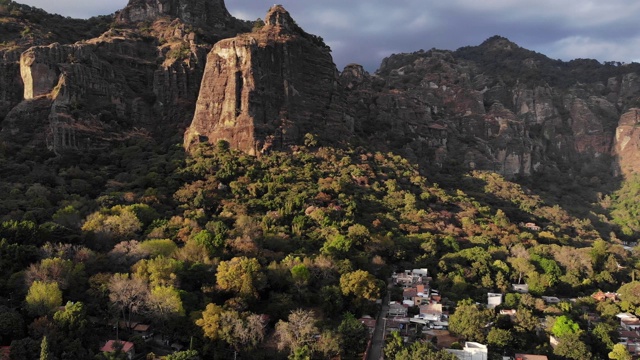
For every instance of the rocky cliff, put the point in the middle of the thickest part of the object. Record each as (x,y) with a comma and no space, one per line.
(140,77)
(497,107)
(158,67)
(212,13)
(268,89)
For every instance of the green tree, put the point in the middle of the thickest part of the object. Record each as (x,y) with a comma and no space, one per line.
(423,351)
(394,345)
(571,346)
(301,275)
(44,350)
(25,349)
(72,320)
(525,320)
(332,302)
(469,321)
(354,336)
(184,355)
(605,335)
(158,247)
(11,325)
(499,338)
(43,298)
(563,326)
(630,292)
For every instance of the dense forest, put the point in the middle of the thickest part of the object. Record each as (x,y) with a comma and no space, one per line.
(278,256)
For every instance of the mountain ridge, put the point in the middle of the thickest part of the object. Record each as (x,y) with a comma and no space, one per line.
(438,106)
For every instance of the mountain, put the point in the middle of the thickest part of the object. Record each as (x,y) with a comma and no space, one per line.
(495,106)
(217,178)
(140,77)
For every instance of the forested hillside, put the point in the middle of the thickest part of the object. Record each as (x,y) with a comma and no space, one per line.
(222,234)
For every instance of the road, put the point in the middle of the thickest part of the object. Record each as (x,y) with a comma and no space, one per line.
(377,342)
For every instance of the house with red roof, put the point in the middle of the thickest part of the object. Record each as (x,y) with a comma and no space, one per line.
(124,346)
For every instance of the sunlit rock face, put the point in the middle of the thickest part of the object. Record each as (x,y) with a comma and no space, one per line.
(268,88)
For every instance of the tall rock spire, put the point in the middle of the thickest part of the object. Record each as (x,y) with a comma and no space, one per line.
(267,89)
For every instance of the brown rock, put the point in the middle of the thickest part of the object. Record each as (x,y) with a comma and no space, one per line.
(268,89)
(211,13)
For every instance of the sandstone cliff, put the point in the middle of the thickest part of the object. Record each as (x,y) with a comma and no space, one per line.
(142,76)
(159,66)
(268,89)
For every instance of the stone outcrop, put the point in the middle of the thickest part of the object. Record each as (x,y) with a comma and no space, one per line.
(446,108)
(126,82)
(212,13)
(627,143)
(167,65)
(268,88)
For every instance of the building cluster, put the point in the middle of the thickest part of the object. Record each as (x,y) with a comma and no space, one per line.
(433,316)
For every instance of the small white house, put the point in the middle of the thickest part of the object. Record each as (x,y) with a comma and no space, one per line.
(493,300)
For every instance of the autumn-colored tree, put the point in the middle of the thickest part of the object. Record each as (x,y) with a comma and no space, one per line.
(128,294)
(361,284)
(64,272)
(159,271)
(242,276)
(164,302)
(620,352)
(298,331)
(241,331)
(210,321)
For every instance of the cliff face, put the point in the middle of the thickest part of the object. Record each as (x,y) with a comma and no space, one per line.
(446,108)
(268,89)
(134,79)
(197,12)
(166,65)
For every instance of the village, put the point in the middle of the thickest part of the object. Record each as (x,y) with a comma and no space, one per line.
(418,313)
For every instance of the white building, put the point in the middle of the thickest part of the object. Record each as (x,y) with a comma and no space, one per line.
(471,351)
(493,300)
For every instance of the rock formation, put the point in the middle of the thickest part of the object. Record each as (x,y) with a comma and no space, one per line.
(268,89)
(73,85)
(136,78)
(445,108)
(211,13)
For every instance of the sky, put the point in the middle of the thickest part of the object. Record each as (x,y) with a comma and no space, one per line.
(366,31)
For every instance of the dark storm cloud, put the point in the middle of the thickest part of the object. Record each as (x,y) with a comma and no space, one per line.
(365,31)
